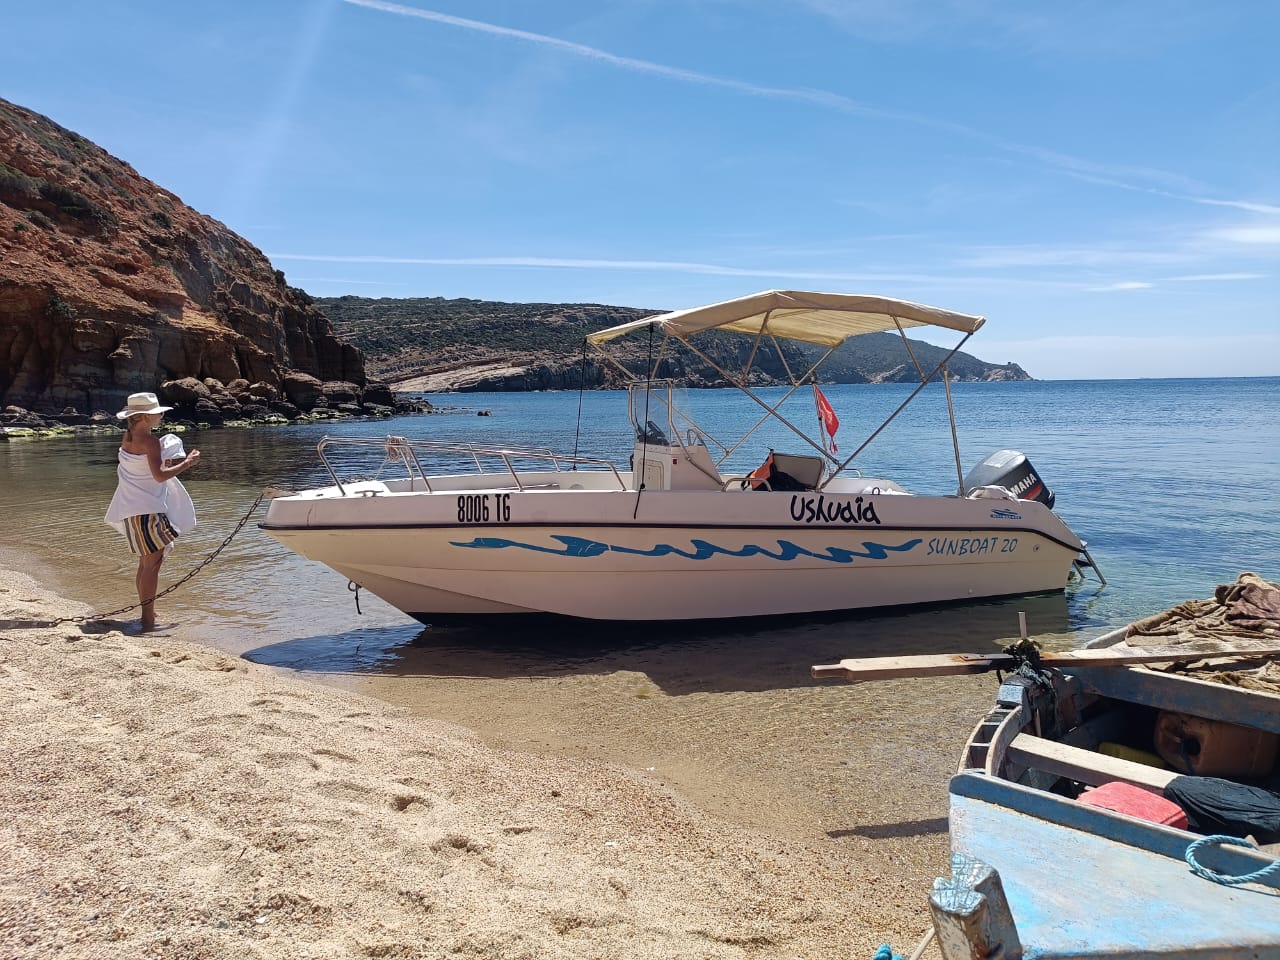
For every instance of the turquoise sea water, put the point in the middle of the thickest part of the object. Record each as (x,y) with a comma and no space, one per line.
(1175,484)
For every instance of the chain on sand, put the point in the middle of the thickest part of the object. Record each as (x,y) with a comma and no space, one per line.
(89,617)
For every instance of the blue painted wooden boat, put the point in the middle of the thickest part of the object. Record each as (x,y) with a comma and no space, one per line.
(1037,873)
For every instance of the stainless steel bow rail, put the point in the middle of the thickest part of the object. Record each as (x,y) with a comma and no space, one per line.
(90,617)
(405,451)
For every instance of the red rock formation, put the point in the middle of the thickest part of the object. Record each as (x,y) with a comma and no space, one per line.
(111,284)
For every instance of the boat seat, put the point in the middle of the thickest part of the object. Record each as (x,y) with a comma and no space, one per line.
(1084,766)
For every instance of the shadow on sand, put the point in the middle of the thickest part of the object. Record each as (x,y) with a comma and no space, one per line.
(893,831)
(710,656)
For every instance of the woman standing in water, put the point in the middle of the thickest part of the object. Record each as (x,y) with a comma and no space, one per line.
(150,506)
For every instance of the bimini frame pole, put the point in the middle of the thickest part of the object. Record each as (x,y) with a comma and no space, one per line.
(771,412)
(951,412)
(924,381)
(955,438)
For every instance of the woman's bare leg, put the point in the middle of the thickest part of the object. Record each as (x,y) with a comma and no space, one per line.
(148,581)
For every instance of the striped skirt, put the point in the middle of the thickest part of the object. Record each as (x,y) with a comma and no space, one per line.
(149,533)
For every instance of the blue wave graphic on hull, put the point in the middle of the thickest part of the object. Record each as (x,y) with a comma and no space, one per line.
(700,549)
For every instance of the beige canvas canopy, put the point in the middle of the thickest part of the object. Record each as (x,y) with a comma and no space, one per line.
(827,319)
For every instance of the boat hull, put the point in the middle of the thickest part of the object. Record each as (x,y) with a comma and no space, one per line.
(1128,892)
(601,555)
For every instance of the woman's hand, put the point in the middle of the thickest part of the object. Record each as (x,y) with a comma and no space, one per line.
(193,457)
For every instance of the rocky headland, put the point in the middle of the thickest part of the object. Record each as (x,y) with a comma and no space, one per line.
(433,345)
(110,284)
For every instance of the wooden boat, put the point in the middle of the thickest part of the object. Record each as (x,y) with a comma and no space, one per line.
(1056,816)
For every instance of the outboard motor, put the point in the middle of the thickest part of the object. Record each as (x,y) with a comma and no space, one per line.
(1013,471)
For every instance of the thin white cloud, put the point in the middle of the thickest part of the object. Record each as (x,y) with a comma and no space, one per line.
(344,280)
(1091,30)
(1216,277)
(1123,285)
(1042,256)
(1258,235)
(1198,249)
(1106,356)
(966,279)
(1064,163)
(1266,208)
(574,263)
(819,97)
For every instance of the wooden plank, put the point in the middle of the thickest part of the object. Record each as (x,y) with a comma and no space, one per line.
(1085,766)
(858,669)
(1186,694)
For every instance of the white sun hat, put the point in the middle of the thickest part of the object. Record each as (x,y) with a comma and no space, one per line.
(141,403)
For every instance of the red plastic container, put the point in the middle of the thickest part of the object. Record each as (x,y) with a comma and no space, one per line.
(1136,802)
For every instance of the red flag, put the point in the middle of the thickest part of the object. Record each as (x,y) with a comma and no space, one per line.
(830,422)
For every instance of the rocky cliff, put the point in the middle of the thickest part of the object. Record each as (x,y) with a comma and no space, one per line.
(110,284)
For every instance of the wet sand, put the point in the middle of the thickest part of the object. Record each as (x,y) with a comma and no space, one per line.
(167,799)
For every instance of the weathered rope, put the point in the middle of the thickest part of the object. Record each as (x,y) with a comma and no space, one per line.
(1271,870)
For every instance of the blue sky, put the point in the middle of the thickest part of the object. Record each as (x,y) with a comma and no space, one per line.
(1099,179)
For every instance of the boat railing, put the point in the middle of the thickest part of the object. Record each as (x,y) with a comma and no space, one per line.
(410,453)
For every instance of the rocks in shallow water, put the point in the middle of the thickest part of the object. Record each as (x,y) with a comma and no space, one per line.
(263,391)
(301,389)
(19,423)
(211,403)
(205,410)
(380,394)
(19,417)
(184,392)
(339,392)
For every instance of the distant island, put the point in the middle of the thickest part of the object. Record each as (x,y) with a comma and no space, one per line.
(434,345)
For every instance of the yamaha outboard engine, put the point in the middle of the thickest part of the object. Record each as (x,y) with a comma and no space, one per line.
(1013,471)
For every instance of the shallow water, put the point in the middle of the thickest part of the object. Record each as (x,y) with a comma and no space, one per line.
(1173,483)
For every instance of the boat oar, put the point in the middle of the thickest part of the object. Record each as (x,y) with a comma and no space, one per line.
(857,670)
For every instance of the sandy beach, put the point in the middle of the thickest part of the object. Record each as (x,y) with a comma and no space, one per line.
(164,799)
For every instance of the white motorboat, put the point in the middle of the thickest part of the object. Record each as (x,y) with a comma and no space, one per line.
(676,535)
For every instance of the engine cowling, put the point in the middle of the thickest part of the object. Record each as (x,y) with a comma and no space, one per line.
(1012,470)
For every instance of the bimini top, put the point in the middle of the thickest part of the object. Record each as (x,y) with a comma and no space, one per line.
(827,319)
